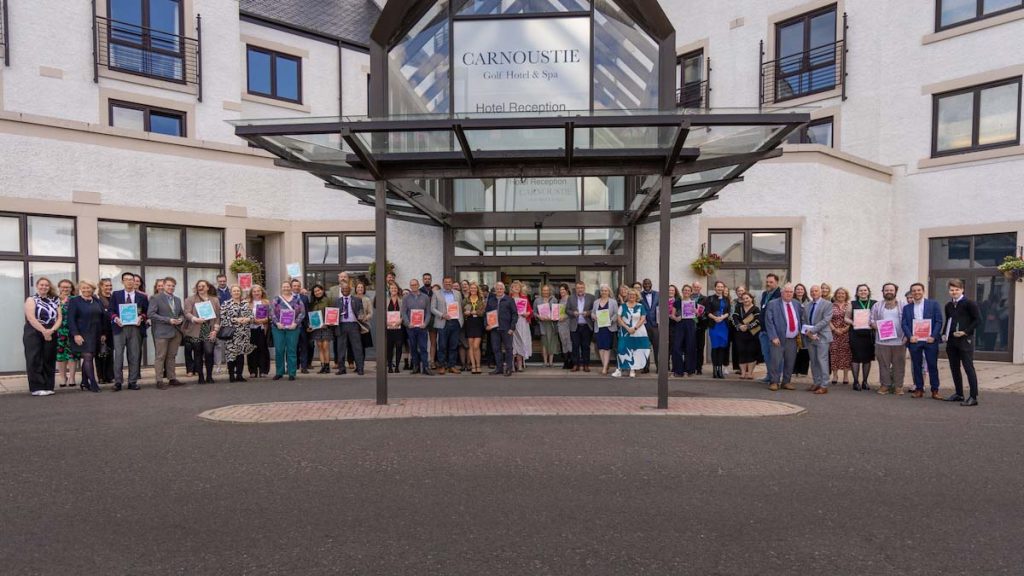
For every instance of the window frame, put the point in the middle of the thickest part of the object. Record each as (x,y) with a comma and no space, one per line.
(806,18)
(147,111)
(976,90)
(144,260)
(748,263)
(343,264)
(979,14)
(274,55)
(146,45)
(680,59)
(804,131)
(24,254)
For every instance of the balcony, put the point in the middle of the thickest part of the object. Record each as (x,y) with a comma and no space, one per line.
(694,95)
(5,49)
(157,54)
(817,70)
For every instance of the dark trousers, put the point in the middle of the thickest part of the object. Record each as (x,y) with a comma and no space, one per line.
(235,366)
(735,354)
(128,343)
(394,339)
(259,358)
(348,334)
(203,351)
(652,333)
(675,342)
(501,343)
(720,356)
(105,359)
(962,355)
(302,351)
(688,346)
(418,348)
(702,337)
(929,353)
(448,344)
(40,359)
(190,357)
(580,344)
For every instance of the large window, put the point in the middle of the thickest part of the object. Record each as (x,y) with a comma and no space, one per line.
(806,54)
(816,132)
(748,256)
(973,259)
(147,118)
(950,13)
(30,247)
(187,254)
(145,38)
(691,80)
(976,118)
(273,74)
(328,253)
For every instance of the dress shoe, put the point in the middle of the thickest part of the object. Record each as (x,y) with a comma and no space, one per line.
(456,371)
(211,381)
(341,372)
(821,390)
(575,368)
(971,401)
(415,371)
(240,379)
(291,378)
(276,377)
(918,394)
(304,371)
(134,386)
(788,386)
(495,372)
(955,398)
(441,371)
(176,382)
(773,387)
(586,368)
(508,372)
(117,387)
(161,386)
(427,372)
(813,388)
(936,395)
(231,377)
(360,372)
(856,387)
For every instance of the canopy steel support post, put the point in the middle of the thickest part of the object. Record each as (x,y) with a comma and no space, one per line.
(664,239)
(380,285)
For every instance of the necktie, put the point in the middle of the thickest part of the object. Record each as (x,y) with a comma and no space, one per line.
(130,299)
(813,306)
(170,300)
(790,317)
(348,311)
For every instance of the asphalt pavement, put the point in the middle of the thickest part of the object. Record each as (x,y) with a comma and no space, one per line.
(134,483)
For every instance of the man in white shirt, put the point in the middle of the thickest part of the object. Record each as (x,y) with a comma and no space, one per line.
(783,322)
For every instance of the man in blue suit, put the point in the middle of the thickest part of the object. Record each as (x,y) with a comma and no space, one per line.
(501,335)
(784,321)
(771,292)
(127,337)
(921,308)
(650,299)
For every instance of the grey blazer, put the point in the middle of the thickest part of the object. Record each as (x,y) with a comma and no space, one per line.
(161,312)
(821,323)
(439,307)
(572,307)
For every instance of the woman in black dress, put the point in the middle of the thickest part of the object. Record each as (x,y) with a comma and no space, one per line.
(747,345)
(862,341)
(394,337)
(802,365)
(473,311)
(85,328)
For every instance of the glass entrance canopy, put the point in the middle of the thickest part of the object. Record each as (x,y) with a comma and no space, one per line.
(701,152)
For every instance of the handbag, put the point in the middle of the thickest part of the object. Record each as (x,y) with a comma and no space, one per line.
(226,333)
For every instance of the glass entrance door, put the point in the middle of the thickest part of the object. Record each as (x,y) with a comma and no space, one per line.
(994,295)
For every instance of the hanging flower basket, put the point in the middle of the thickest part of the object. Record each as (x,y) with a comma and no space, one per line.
(389,268)
(248,265)
(1012,268)
(706,264)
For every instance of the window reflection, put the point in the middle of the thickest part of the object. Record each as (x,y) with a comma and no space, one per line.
(625,61)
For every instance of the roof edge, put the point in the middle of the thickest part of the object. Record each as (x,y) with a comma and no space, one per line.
(260,19)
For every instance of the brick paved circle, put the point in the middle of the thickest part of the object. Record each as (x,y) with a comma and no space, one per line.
(501,406)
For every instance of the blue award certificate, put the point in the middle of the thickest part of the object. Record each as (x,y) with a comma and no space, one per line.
(205,310)
(316,320)
(129,314)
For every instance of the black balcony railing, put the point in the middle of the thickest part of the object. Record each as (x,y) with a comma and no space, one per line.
(819,69)
(134,49)
(5,48)
(696,94)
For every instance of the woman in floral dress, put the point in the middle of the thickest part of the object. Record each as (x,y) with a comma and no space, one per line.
(237,313)
(840,356)
(67,359)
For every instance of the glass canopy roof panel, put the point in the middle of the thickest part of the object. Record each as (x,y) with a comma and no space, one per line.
(501,7)
(690,194)
(724,140)
(311,148)
(705,176)
(516,139)
(610,138)
(424,141)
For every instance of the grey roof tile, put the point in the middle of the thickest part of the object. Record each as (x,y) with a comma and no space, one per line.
(349,20)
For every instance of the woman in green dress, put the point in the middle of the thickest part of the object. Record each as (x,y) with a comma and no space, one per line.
(67,359)
(634,346)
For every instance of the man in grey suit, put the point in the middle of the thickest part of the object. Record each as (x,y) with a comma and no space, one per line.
(167,318)
(817,338)
(784,320)
(581,326)
(350,312)
(447,326)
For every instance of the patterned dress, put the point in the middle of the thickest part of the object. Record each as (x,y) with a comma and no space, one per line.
(64,352)
(240,343)
(841,357)
(634,349)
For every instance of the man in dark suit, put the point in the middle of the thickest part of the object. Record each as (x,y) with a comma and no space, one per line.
(700,300)
(784,321)
(127,337)
(427,288)
(166,315)
(650,299)
(927,349)
(581,326)
(771,292)
(304,353)
(962,317)
(501,335)
(347,332)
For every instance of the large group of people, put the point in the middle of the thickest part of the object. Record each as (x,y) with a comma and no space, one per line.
(456,327)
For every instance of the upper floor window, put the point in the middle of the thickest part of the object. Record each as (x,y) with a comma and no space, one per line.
(691,80)
(950,13)
(816,132)
(147,119)
(976,118)
(273,74)
(145,37)
(806,51)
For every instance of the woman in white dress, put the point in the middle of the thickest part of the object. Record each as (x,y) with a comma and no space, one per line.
(522,342)
(634,345)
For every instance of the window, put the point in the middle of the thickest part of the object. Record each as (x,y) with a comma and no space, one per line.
(145,37)
(806,50)
(691,80)
(273,74)
(976,118)
(817,132)
(750,255)
(950,13)
(543,241)
(602,193)
(31,246)
(328,253)
(147,119)
(153,251)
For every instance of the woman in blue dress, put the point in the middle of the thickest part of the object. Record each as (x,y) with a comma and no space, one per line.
(605,333)
(717,313)
(634,345)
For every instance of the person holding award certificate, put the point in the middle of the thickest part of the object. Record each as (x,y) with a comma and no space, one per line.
(127,314)
(887,320)
(287,313)
(501,316)
(747,320)
(446,308)
(605,314)
(922,325)
(322,335)
(475,327)
(236,313)
(166,313)
(259,330)
(202,310)
(565,327)
(546,306)
(416,317)
(394,334)
(522,341)
(862,336)
(634,348)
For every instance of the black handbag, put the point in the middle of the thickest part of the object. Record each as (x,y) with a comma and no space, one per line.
(226,333)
